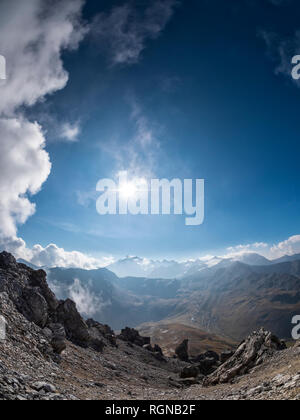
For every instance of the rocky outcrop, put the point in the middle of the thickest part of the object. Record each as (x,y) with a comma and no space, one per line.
(203,365)
(182,351)
(103,331)
(256,349)
(132,336)
(76,328)
(156,351)
(60,320)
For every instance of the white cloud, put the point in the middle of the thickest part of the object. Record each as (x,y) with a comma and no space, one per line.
(53,256)
(24,167)
(256,247)
(70,132)
(33,35)
(289,247)
(86,301)
(125,30)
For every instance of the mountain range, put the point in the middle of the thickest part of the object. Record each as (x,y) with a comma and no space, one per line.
(169,269)
(228,299)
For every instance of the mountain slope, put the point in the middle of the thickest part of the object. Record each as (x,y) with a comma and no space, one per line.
(230,298)
(34,367)
(233,300)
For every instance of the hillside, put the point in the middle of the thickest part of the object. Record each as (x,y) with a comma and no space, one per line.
(235,300)
(51,353)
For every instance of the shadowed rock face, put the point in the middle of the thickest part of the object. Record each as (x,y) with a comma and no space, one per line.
(182,351)
(29,291)
(258,347)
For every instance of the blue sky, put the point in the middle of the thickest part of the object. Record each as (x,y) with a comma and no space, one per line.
(214,96)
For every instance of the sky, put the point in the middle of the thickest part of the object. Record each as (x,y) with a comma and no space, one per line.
(169,89)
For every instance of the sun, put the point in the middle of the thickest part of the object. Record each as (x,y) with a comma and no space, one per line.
(128,190)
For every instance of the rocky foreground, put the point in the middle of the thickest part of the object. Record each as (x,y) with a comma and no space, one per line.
(52,353)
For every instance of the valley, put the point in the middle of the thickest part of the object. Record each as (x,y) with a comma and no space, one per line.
(227,300)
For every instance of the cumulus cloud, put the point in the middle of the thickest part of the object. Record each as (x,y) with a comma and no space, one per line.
(33,35)
(125,30)
(53,256)
(290,246)
(24,167)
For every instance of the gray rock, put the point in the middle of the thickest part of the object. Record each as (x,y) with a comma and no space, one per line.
(44,386)
(133,336)
(182,351)
(75,327)
(257,348)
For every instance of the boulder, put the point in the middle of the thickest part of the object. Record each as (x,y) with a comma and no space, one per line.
(34,306)
(102,331)
(27,289)
(75,327)
(38,279)
(182,351)
(252,352)
(133,336)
